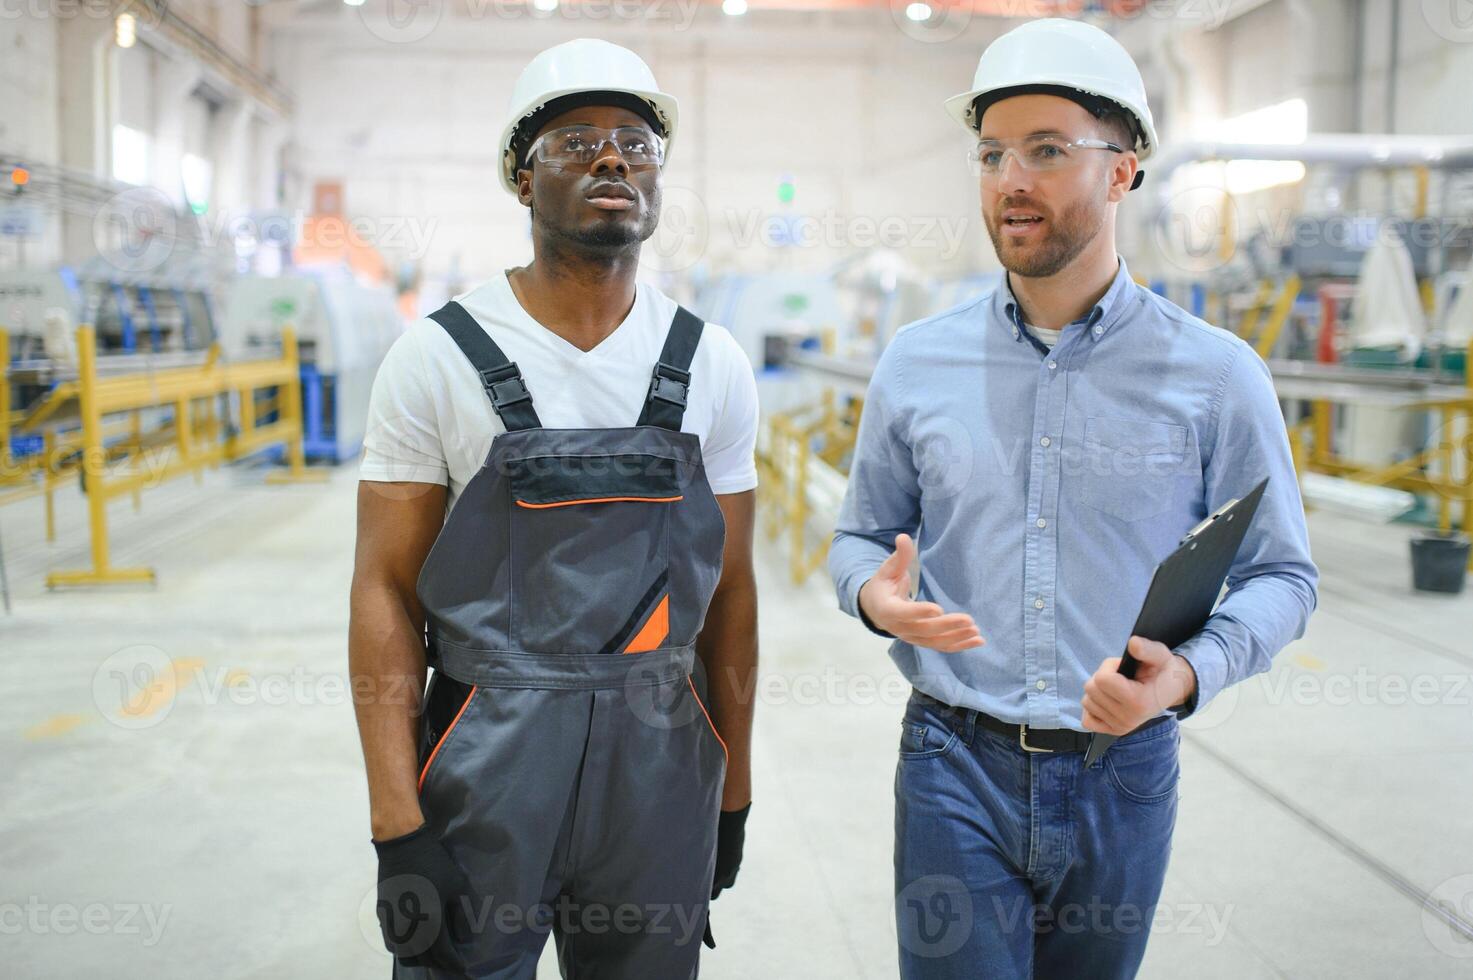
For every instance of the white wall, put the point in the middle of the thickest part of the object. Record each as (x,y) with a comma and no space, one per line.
(847,107)
(28,94)
(1284,49)
(64,85)
(28,118)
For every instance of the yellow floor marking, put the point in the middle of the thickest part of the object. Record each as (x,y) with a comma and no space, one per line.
(54,726)
(161,691)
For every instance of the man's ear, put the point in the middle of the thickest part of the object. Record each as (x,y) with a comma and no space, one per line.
(1122,175)
(524,186)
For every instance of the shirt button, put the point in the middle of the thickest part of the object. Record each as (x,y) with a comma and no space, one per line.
(1099,329)
(1041,686)
(1052,365)
(1042,522)
(1015,333)
(1038,603)
(1044,441)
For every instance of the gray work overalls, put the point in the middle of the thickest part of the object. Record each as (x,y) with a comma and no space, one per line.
(567,759)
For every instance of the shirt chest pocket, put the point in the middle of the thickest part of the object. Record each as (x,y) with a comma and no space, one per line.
(1131,467)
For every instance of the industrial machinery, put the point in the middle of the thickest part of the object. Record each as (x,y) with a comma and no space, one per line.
(343,329)
(168,311)
(1354,303)
(1365,321)
(119,424)
(851,310)
(766,313)
(112,376)
(150,277)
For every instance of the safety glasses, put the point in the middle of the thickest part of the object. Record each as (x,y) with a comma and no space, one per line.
(581,145)
(1034,153)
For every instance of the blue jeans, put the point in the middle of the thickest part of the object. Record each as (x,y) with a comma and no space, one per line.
(1017,864)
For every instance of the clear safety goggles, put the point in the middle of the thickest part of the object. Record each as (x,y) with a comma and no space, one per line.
(581,145)
(1034,153)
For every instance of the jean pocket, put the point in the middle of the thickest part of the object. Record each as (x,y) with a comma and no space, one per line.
(1145,771)
(924,734)
(1131,466)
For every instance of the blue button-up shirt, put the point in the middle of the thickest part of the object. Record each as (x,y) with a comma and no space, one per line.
(1043,487)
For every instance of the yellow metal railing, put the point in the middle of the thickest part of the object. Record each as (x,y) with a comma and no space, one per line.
(794,444)
(112,453)
(799,444)
(1276,306)
(1444,468)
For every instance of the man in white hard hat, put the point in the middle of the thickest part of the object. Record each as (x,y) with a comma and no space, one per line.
(1050,442)
(556,515)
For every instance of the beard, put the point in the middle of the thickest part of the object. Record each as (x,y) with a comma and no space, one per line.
(1068,235)
(598,236)
(613,236)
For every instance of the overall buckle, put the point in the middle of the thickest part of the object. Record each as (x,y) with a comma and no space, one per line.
(505,386)
(1023,740)
(670,384)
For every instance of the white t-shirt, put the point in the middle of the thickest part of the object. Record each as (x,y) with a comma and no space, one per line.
(1045,336)
(430,421)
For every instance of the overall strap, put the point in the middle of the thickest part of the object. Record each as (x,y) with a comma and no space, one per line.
(499,376)
(665,404)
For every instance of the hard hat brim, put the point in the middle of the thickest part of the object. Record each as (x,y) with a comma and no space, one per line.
(666,107)
(959,107)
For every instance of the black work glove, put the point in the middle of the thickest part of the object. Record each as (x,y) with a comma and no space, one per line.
(420,900)
(731,836)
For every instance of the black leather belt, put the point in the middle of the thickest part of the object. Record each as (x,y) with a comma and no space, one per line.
(1032,739)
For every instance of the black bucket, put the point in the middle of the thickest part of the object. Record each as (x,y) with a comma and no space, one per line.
(1440,562)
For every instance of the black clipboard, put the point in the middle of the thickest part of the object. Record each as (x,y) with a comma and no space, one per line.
(1186,586)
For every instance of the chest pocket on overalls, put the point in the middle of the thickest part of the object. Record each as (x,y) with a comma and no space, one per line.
(589,531)
(590,545)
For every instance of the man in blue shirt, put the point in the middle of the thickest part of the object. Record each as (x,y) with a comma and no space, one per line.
(1041,449)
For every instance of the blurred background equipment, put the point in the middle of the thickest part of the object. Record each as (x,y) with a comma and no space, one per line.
(215,219)
(344,327)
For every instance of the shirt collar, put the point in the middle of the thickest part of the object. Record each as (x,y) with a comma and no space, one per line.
(1105,314)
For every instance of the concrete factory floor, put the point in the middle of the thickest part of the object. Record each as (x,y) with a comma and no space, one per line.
(220,830)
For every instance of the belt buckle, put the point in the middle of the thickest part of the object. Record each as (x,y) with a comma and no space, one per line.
(1023,741)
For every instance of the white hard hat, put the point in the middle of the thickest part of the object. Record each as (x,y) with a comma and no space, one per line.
(1065,54)
(574,67)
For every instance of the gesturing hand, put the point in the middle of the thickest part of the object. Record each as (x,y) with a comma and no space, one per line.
(886,600)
